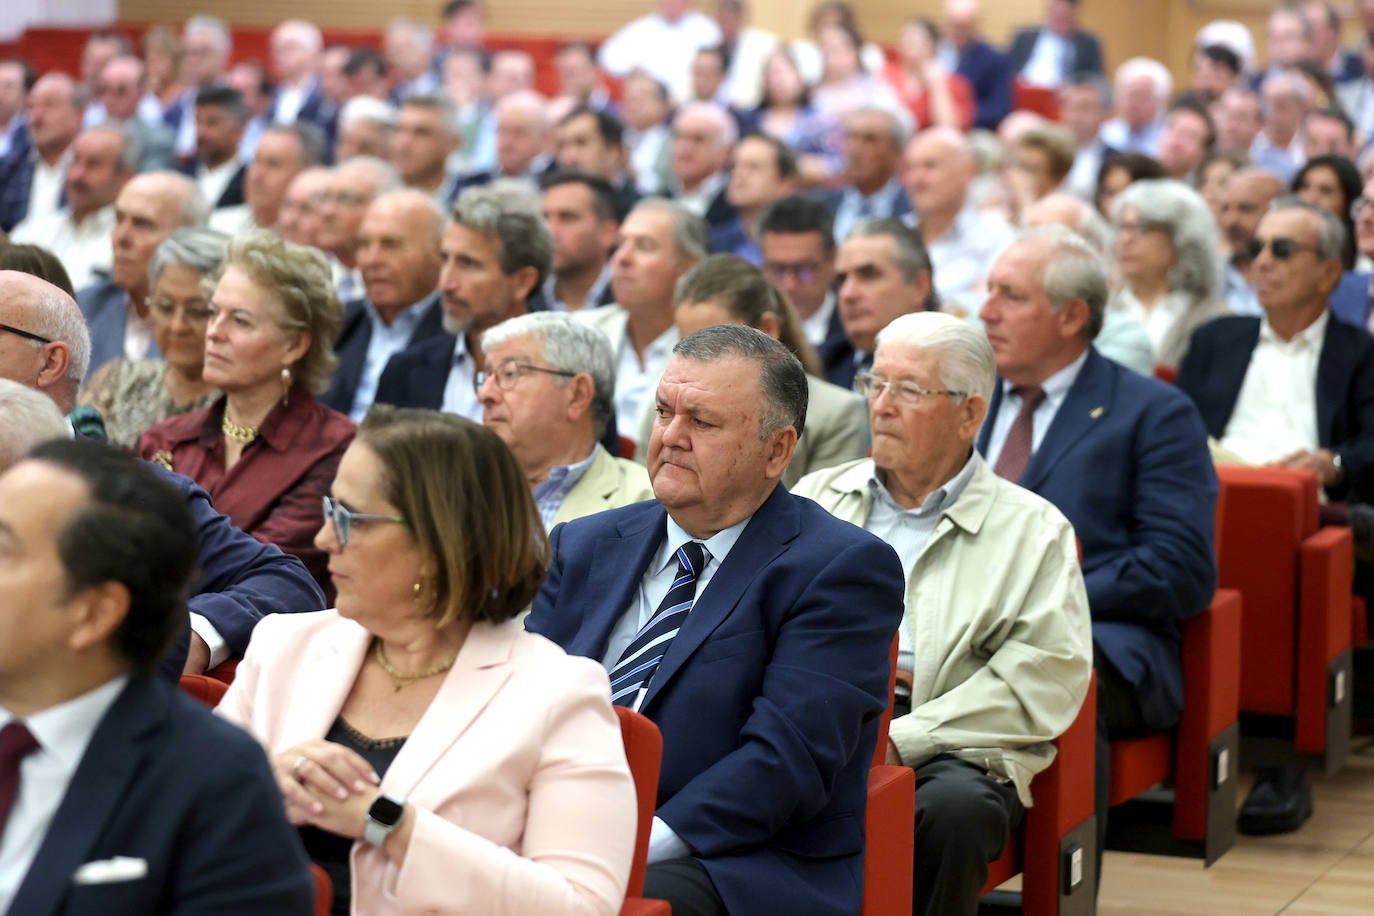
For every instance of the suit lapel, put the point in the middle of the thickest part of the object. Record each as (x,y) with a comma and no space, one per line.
(1230,362)
(1087,402)
(990,420)
(628,553)
(430,375)
(112,760)
(769,533)
(331,665)
(1333,375)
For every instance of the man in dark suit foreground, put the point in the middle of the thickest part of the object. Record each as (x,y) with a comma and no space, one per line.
(118,794)
(1124,457)
(1294,387)
(751,626)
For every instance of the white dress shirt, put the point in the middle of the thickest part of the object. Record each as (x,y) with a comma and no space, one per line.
(653,588)
(386,341)
(646,149)
(635,382)
(817,327)
(83,248)
(63,733)
(290,99)
(1276,411)
(1056,389)
(698,200)
(1047,65)
(213,181)
(138,333)
(460,396)
(45,191)
(660,48)
(963,258)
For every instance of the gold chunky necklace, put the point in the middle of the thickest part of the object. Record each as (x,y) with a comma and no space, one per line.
(401,678)
(235,433)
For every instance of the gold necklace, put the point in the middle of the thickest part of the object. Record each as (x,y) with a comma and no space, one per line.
(235,433)
(401,678)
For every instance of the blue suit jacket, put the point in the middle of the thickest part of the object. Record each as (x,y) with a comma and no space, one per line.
(241,578)
(103,304)
(1213,372)
(165,782)
(1126,461)
(988,73)
(1350,300)
(351,349)
(768,698)
(16,184)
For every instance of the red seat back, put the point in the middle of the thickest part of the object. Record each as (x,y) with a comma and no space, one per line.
(1038,99)
(644,752)
(206,689)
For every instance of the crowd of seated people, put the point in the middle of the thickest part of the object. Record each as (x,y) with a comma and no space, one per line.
(729,365)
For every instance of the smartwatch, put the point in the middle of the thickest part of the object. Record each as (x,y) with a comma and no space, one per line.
(386,812)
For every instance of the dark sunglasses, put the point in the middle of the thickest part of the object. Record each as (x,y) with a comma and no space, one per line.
(1281,248)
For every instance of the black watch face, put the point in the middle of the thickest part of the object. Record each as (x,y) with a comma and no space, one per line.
(385,811)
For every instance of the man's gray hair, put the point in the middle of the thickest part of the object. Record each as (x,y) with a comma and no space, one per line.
(899,122)
(1190,225)
(366,108)
(385,176)
(509,212)
(56,317)
(964,355)
(129,151)
(201,250)
(1073,271)
(912,257)
(1330,235)
(211,25)
(725,125)
(422,34)
(310,140)
(570,345)
(782,380)
(27,418)
(195,212)
(1151,69)
(440,102)
(691,235)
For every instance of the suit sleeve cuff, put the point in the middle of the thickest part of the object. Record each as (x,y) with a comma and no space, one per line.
(202,627)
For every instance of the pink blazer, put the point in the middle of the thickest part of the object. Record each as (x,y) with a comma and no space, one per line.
(523,800)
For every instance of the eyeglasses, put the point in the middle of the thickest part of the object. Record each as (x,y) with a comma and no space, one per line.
(1359,206)
(803,273)
(1140,227)
(345,198)
(1281,248)
(906,394)
(27,335)
(509,374)
(197,311)
(343,519)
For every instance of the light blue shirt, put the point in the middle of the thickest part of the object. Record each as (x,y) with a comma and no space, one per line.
(387,340)
(653,588)
(1239,294)
(460,396)
(550,492)
(908,532)
(1056,389)
(853,206)
(1117,134)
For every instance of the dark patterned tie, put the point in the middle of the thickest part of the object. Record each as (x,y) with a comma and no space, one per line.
(1016,451)
(640,659)
(16,743)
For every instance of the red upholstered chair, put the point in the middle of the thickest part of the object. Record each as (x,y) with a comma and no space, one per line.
(627,448)
(224,671)
(644,752)
(1199,755)
(324,890)
(1054,848)
(1025,97)
(206,689)
(1295,578)
(1166,373)
(889,822)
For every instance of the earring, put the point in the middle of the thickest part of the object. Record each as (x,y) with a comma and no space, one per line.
(418,588)
(285,383)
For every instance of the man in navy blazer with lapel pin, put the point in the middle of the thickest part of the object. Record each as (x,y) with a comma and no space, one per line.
(1124,457)
(769,693)
(128,797)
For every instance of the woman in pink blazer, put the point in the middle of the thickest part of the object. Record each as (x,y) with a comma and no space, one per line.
(436,757)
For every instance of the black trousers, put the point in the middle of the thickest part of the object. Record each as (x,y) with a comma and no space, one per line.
(686,886)
(963,819)
(1118,716)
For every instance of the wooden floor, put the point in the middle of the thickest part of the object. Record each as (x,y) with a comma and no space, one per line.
(1325,868)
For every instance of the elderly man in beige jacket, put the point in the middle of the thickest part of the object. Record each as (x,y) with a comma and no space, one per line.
(995,651)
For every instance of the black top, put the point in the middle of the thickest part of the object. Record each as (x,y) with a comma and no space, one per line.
(328,850)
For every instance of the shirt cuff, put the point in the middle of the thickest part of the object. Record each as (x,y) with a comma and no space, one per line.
(664,844)
(202,627)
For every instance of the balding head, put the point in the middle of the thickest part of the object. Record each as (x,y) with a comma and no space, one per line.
(961,21)
(1248,194)
(1076,215)
(938,166)
(54,350)
(120,87)
(522,132)
(398,249)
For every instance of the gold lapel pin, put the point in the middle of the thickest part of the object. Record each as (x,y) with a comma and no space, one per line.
(1095,412)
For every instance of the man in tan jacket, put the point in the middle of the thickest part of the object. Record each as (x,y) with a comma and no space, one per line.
(995,650)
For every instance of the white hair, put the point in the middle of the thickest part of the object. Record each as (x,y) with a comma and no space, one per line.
(722,121)
(569,345)
(1229,34)
(966,361)
(421,34)
(384,173)
(524,100)
(1150,69)
(366,108)
(307,33)
(27,418)
(56,317)
(213,26)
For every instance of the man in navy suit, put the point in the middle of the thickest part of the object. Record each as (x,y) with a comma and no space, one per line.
(31,175)
(1294,387)
(398,255)
(122,795)
(221,118)
(1124,457)
(769,693)
(965,52)
(872,152)
(1048,56)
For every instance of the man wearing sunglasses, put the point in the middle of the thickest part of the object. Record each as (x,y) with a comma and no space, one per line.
(1294,388)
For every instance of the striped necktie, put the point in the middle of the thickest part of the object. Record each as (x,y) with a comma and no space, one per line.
(640,659)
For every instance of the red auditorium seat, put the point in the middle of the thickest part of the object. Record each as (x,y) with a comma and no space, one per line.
(889,822)
(206,689)
(644,752)
(324,890)
(1025,97)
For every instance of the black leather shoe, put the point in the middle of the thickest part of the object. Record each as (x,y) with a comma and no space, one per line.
(1279,802)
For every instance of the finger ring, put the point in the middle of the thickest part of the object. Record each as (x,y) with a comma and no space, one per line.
(296,770)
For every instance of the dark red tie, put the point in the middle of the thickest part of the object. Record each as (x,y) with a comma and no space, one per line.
(1016,451)
(16,743)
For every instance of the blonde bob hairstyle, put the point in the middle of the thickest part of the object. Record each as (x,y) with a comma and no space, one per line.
(298,279)
(468,506)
